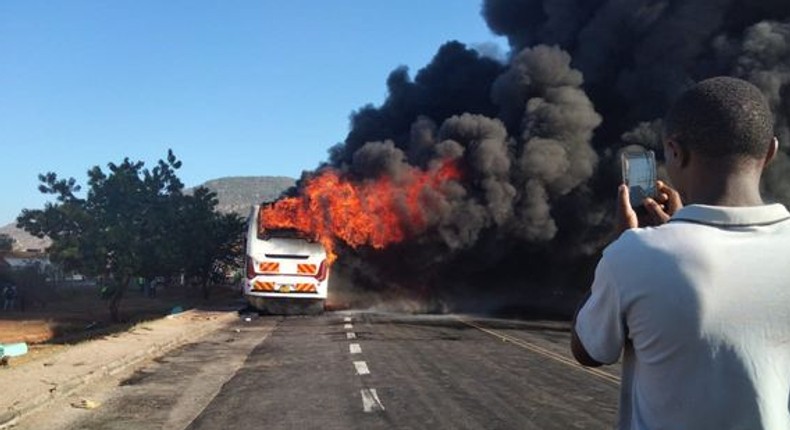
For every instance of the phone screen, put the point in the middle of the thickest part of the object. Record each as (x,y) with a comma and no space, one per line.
(639,173)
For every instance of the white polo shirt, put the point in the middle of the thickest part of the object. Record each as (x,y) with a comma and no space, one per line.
(700,308)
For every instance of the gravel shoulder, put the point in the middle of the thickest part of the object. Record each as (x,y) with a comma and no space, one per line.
(37,383)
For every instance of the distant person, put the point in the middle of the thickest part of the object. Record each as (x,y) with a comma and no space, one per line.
(5,291)
(9,296)
(699,307)
(151,292)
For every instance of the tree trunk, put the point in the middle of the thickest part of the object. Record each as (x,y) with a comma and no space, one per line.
(115,300)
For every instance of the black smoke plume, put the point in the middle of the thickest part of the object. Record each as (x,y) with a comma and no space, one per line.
(538,136)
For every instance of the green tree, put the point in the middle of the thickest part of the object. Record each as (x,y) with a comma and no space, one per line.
(6,243)
(120,230)
(210,241)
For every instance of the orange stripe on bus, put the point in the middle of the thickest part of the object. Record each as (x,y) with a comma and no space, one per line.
(269,267)
(305,269)
(263,286)
(305,288)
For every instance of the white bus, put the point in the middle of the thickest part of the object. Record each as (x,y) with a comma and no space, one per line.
(286,271)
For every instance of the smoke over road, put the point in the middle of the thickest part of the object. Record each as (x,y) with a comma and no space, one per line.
(537,137)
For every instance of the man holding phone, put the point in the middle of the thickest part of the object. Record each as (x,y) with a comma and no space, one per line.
(699,305)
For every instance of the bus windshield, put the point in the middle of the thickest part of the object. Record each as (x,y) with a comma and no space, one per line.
(283,233)
(265,233)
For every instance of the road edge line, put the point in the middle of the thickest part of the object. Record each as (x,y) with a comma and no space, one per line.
(545,352)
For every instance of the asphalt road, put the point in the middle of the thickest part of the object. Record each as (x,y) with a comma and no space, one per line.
(359,370)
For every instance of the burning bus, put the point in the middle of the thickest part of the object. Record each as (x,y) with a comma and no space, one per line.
(287,270)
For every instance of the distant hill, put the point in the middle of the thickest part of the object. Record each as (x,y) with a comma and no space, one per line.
(23,240)
(235,194)
(238,193)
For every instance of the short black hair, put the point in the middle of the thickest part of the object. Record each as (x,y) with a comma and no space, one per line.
(722,117)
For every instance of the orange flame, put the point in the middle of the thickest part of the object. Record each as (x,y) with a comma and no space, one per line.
(375,213)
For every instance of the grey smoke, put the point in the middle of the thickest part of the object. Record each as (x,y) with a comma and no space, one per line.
(542,92)
(488,162)
(374,159)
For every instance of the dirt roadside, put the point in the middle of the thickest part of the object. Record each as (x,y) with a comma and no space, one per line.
(32,384)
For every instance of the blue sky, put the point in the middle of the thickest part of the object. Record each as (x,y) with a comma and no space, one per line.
(235,88)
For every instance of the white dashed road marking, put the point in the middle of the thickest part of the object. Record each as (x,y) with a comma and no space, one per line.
(362,368)
(370,400)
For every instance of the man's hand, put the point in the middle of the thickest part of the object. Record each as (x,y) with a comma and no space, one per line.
(666,203)
(626,215)
(657,211)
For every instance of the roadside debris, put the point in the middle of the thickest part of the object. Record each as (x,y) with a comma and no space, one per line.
(12,350)
(175,312)
(86,404)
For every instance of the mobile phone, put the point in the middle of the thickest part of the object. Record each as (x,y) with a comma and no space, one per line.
(639,174)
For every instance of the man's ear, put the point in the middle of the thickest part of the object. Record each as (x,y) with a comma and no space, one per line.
(773,149)
(679,154)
